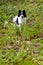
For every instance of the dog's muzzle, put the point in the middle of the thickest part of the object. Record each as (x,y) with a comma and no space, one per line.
(22,16)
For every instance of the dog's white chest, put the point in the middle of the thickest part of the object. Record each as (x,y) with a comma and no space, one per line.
(20,20)
(15,18)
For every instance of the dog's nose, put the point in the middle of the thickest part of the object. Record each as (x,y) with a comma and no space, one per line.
(22,16)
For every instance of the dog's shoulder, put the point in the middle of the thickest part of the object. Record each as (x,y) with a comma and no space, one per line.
(15,18)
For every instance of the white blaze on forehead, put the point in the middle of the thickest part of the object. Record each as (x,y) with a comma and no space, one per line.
(21,13)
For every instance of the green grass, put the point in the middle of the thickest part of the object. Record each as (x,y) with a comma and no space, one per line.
(21,46)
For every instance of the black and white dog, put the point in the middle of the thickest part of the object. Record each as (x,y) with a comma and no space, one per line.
(20,18)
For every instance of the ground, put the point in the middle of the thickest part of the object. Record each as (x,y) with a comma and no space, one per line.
(24,45)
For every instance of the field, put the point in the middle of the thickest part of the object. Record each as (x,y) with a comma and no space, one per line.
(24,45)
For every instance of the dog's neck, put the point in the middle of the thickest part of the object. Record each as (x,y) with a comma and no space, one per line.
(20,20)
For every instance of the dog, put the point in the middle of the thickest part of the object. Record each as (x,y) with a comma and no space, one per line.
(20,18)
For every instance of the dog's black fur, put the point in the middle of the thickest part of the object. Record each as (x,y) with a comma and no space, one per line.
(21,15)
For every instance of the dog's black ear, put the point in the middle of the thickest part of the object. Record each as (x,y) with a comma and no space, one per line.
(23,10)
(24,13)
(19,13)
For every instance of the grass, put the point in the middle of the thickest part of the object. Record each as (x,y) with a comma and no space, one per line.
(21,46)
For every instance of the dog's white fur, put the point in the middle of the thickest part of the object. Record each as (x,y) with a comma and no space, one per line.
(20,20)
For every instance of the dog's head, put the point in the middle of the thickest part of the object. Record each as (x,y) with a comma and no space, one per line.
(22,14)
